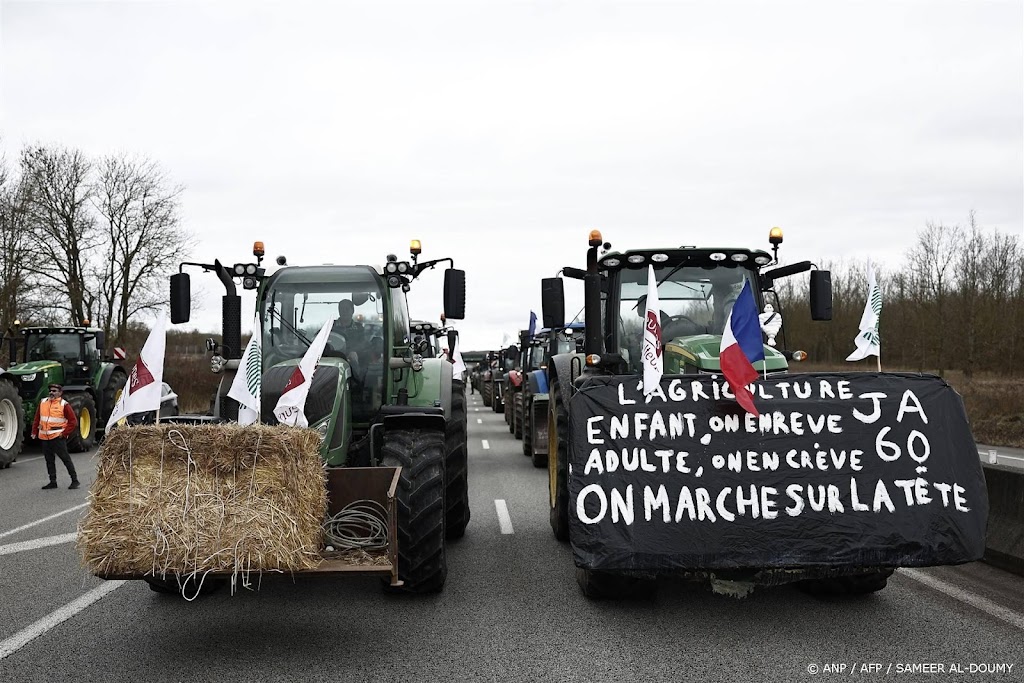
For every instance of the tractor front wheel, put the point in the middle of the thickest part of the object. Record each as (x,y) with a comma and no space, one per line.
(558,464)
(422,564)
(456,488)
(84,436)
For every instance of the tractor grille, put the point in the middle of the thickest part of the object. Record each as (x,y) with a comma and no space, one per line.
(319,402)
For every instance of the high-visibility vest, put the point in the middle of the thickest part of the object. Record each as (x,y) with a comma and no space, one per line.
(51,418)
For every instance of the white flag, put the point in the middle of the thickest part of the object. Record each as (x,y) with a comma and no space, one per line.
(290,408)
(246,387)
(868,342)
(654,362)
(143,389)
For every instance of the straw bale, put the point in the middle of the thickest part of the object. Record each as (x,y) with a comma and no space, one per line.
(181,499)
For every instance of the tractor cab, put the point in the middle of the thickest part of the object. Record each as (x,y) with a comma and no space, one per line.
(66,355)
(296,302)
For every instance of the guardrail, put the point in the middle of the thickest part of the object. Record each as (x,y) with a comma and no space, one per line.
(1004,543)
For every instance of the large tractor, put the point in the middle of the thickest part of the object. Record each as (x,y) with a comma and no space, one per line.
(670,475)
(374,399)
(71,356)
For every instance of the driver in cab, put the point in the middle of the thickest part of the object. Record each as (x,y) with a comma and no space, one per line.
(351,333)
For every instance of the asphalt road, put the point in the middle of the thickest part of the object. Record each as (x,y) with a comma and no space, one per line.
(511,611)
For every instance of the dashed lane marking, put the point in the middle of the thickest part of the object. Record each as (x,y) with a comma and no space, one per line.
(40,521)
(504,520)
(37,543)
(479,421)
(27,635)
(486,445)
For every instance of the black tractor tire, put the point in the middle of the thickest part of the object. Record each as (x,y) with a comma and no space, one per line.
(485,394)
(558,467)
(497,400)
(112,392)
(527,428)
(170,586)
(422,563)
(456,467)
(517,415)
(84,436)
(856,584)
(12,424)
(539,459)
(605,586)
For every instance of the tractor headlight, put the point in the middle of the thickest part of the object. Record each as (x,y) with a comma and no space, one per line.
(391,267)
(29,377)
(321,429)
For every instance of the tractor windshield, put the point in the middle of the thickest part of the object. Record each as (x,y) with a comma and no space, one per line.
(693,299)
(297,304)
(56,347)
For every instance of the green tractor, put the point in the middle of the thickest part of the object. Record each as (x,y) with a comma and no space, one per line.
(71,356)
(375,399)
(607,429)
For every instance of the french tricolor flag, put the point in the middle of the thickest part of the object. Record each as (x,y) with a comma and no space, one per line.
(741,346)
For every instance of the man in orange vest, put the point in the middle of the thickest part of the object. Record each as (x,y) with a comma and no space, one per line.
(54,421)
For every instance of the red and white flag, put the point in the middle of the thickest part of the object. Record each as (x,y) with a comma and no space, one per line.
(142,390)
(290,408)
(654,362)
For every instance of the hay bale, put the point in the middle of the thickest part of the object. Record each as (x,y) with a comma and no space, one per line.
(182,499)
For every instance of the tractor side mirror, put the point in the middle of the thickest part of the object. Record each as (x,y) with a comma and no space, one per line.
(181,303)
(552,301)
(821,295)
(454,294)
(101,341)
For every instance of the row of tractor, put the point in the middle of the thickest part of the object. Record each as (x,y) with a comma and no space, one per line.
(646,477)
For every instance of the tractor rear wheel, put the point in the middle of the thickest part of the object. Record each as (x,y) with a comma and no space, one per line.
(558,467)
(456,487)
(12,424)
(422,564)
(84,436)
(485,393)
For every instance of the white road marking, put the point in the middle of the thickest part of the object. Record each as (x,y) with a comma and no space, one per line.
(38,457)
(37,543)
(985,605)
(26,635)
(479,421)
(40,521)
(487,446)
(503,517)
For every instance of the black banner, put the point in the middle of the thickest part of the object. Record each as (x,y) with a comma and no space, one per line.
(840,469)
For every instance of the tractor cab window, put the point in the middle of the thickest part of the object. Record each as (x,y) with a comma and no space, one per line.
(694,300)
(63,348)
(295,308)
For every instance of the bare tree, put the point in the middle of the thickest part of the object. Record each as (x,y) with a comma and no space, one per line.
(14,238)
(138,208)
(64,232)
(932,260)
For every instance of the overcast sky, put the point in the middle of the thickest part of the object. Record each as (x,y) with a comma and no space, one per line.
(500,133)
